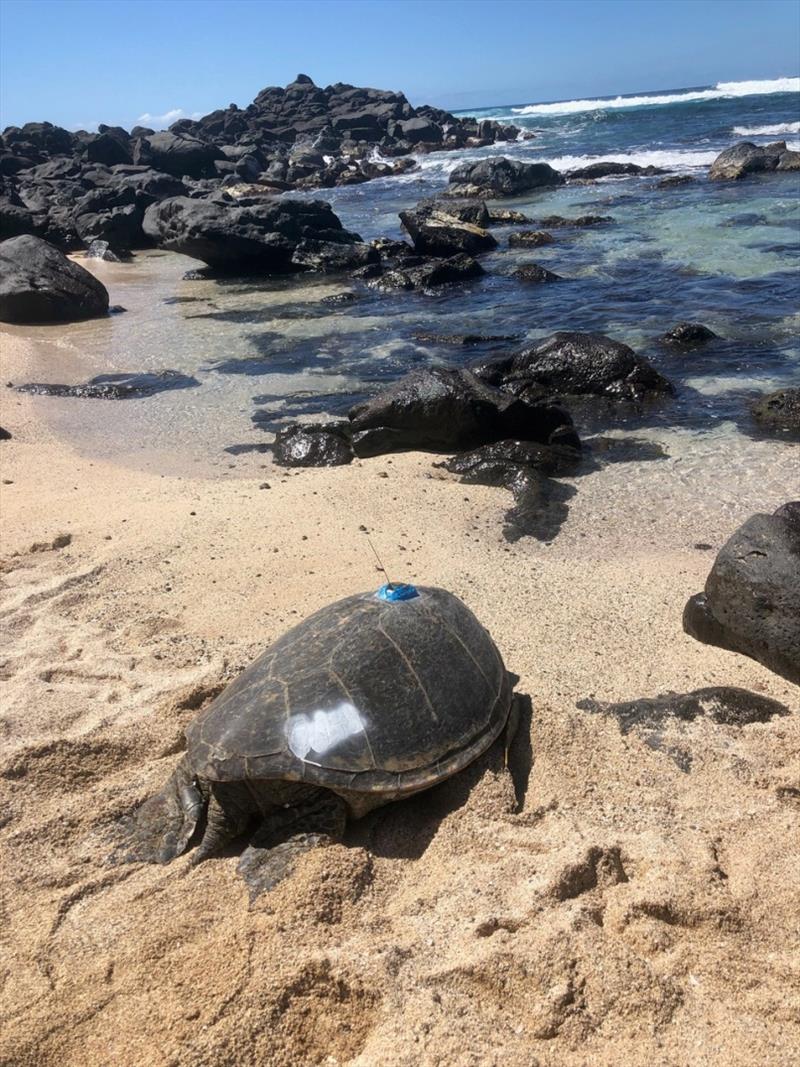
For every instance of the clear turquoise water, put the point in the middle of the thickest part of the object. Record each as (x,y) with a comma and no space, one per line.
(725,254)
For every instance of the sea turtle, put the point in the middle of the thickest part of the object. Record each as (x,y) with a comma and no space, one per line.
(373,698)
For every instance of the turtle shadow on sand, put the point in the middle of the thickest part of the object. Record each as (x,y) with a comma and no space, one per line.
(405,829)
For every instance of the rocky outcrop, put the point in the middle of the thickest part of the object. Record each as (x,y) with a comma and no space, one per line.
(263,238)
(568,365)
(297,137)
(439,233)
(38,284)
(747,158)
(751,601)
(447,410)
(499,176)
(779,413)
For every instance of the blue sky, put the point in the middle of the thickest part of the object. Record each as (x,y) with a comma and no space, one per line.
(79,62)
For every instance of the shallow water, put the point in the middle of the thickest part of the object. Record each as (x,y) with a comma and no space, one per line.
(724,254)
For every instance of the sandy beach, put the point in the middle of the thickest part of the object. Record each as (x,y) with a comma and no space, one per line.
(609,898)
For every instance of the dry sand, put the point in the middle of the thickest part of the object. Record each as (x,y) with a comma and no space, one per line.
(595,905)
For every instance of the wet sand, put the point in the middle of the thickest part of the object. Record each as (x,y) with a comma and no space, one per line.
(597,903)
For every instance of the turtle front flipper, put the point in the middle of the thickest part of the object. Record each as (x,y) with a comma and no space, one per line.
(163,826)
(286,835)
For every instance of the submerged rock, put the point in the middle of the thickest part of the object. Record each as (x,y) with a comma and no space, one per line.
(569,364)
(532,272)
(38,284)
(530,239)
(446,410)
(325,444)
(751,602)
(466,339)
(689,333)
(505,216)
(673,180)
(552,222)
(609,169)
(430,275)
(116,386)
(779,412)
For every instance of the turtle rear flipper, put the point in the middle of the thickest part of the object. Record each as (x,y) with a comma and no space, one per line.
(163,826)
(318,821)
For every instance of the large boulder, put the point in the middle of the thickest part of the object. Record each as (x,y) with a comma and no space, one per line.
(499,176)
(109,148)
(38,284)
(177,155)
(445,410)
(261,238)
(751,602)
(569,364)
(746,158)
(438,233)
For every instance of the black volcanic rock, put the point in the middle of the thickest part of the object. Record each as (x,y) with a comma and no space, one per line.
(437,233)
(532,273)
(177,155)
(529,239)
(131,386)
(109,148)
(689,334)
(552,222)
(444,409)
(39,285)
(329,257)
(610,169)
(261,238)
(746,158)
(551,460)
(499,176)
(569,364)
(779,412)
(429,275)
(751,601)
(326,444)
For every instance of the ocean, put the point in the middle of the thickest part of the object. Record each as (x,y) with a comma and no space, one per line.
(722,253)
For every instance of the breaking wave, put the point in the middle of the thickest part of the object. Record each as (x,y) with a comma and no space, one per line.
(767,131)
(721,91)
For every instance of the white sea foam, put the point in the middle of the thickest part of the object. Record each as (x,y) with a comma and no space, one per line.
(767,131)
(655,158)
(721,91)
